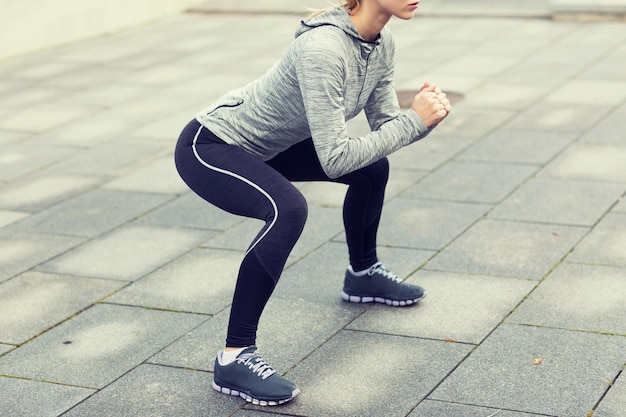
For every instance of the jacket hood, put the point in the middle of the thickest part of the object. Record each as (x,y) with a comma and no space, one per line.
(338,17)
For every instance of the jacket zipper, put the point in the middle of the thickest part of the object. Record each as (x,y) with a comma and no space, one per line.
(367,62)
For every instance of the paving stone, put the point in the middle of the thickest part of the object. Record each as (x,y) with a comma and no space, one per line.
(557,201)
(474,182)
(143,110)
(467,122)
(502,373)
(589,162)
(5,348)
(459,307)
(587,36)
(289,330)
(89,132)
(24,157)
(150,390)
(577,92)
(410,74)
(91,213)
(518,250)
(448,409)
(40,192)
(578,6)
(144,178)
(164,73)
(425,224)
(86,75)
(358,125)
(621,206)
(387,383)
(323,194)
(30,94)
(197,348)
(298,6)
(110,159)
(564,117)
(49,116)
(499,95)
(10,216)
(514,45)
(581,297)
(609,130)
(491,8)
(34,302)
(478,65)
(103,50)
(239,236)
(539,30)
(109,94)
(606,69)
(319,276)
(614,404)
(167,129)
(9,137)
(127,253)
(539,70)
(227,79)
(579,47)
(519,146)
(97,346)
(21,398)
(201,281)
(449,83)
(400,180)
(191,211)
(605,244)
(23,251)
(46,70)
(429,153)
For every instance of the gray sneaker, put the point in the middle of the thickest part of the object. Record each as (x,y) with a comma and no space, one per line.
(253,380)
(380,286)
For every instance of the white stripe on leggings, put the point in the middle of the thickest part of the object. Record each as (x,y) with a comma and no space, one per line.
(239,177)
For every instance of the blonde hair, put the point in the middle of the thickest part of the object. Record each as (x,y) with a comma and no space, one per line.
(350,6)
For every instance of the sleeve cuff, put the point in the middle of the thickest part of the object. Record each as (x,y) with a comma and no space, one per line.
(421,130)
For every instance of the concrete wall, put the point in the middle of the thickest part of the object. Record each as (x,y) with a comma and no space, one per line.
(31,25)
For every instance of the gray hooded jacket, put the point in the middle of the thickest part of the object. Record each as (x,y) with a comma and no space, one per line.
(325,77)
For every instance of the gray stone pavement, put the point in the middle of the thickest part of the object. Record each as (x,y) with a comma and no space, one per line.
(115,280)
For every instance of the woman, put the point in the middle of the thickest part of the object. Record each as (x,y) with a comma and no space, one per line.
(242,153)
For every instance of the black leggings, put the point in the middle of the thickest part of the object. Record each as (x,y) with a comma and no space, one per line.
(233,180)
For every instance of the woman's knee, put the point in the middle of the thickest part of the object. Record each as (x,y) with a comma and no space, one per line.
(376,174)
(380,169)
(294,209)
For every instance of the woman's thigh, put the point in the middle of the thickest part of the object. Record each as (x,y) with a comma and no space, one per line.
(232,179)
(300,163)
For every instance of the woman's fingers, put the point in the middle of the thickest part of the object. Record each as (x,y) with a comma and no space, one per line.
(431,104)
(443,99)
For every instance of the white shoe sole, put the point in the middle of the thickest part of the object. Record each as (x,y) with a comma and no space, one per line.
(253,400)
(393,303)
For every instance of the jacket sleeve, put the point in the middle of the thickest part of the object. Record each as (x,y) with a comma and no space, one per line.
(382,105)
(321,72)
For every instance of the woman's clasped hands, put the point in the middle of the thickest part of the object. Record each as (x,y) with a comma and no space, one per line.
(431,104)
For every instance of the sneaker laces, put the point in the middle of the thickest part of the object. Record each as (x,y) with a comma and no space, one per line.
(256,364)
(379,268)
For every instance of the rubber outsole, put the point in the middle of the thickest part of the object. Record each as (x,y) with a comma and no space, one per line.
(393,303)
(255,401)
